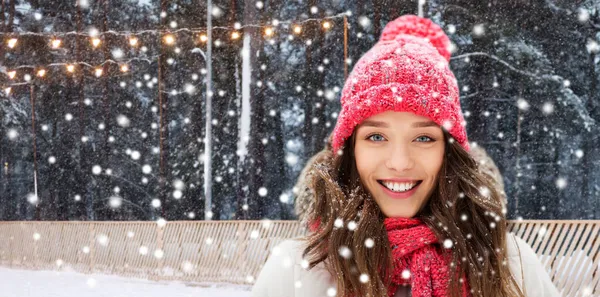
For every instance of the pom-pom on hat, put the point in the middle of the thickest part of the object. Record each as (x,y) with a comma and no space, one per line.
(406,71)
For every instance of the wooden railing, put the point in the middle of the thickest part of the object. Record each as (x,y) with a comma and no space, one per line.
(234,251)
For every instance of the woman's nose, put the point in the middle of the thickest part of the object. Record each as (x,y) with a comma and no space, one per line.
(400,158)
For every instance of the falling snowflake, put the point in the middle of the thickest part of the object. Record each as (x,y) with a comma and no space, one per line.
(146,169)
(331,292)
(448,243)
(339,223)
(32,198)
(352,225)
(284,198)
(102,239)
(484,191)
(451,29)
(364,278)
(548,108)
(177,194)
(123,121)
(522,104)
(364,21)
(561,183)
(266,223)
(262,191)
(12,134)
(161,222)
(478,30)
(115,201)
(187,266)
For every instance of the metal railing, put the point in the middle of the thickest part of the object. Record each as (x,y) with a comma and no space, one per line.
(234,251)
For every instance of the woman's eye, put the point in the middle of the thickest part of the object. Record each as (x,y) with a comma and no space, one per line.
(426,139)
(376,137)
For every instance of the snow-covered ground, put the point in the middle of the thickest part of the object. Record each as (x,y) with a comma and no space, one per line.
(26,283)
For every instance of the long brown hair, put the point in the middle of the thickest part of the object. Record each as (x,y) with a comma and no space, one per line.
(479,247)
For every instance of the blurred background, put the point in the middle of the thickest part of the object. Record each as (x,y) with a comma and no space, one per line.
(104,103)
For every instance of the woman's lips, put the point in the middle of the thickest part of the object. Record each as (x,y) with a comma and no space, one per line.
(402,195)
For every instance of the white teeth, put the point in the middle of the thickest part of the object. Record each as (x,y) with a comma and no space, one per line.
(399,187)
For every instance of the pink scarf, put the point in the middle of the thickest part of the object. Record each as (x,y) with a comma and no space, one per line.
(419,260)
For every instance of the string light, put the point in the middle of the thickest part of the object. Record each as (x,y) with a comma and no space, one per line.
(297,29)
(41,72)
(11,74)
(12,42)
(169,39)
(55,43)
(124,68)
(133,41)
(70,68)
(127,33)
(95,42)
(203,38)
(327,25)
(269,31)
(235,35)
(98,72)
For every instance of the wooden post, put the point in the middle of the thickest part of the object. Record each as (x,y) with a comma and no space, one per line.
(345,47)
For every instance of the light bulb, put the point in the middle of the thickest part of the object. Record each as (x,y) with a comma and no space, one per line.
(124,68)
(203,38)
(133,41)
(96,42)
(12,42)
(235,35)
(98,72)
(12,74)
(269,31)
(41,72)
(56,43)
(169,39)
(70,68)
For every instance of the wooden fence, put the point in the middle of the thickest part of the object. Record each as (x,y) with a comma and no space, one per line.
(234,251)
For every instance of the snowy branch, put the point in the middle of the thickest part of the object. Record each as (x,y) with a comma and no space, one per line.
(555,78)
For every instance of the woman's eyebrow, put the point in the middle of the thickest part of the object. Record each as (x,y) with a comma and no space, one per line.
(424,124)
(371,123)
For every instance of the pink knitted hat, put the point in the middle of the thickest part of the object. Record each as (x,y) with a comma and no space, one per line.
(407,70)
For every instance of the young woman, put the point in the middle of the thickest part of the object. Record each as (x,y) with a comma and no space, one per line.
(400,207)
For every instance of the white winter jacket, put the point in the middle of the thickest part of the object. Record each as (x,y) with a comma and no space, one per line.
(283,276)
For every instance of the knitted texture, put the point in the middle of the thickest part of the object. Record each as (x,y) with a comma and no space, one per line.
(403,72)
(419,261)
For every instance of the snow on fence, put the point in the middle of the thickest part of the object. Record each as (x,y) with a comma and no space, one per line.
(234,251)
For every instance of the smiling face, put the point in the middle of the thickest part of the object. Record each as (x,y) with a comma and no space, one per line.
(398,157)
